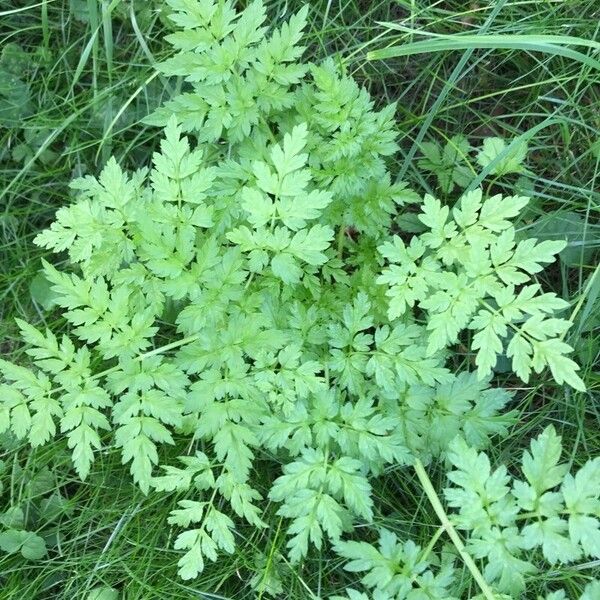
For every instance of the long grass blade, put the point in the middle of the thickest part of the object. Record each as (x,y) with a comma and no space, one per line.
(492,42)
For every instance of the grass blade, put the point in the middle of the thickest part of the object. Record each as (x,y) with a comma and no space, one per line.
(493,42)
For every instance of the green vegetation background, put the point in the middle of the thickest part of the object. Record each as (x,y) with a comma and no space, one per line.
(76,77)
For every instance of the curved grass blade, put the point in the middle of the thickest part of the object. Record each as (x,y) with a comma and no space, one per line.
(531,43)
(499,38)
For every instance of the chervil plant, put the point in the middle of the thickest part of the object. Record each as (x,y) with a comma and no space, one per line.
(517,526)
(250,297)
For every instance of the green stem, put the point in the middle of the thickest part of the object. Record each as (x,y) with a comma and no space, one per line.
(161,350)
(140,357)
(270,560)
(340,241)
(430,546)
(452,533)
(45,28)
(584,295)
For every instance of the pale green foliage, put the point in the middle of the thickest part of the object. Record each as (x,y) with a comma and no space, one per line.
(282,201)
(448,164)
(513,525)
(592,590)
(399,570)
(501,160)
(549,510)
(103,593)
(244,298)
(453,166)
(238,76)
(467,271)
(203,542)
